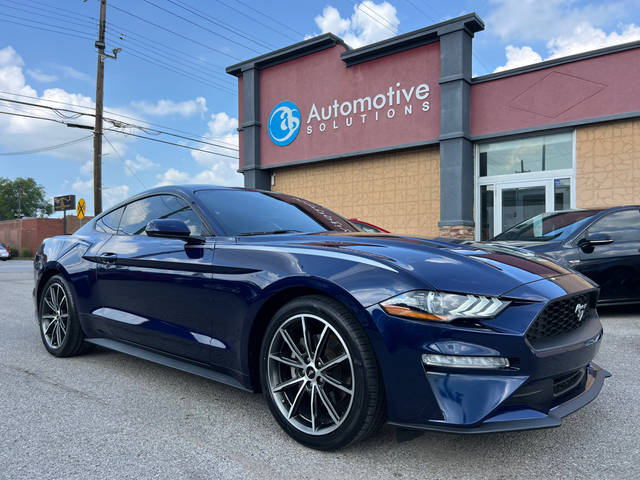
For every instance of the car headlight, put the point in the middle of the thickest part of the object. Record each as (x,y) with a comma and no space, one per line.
(442,307)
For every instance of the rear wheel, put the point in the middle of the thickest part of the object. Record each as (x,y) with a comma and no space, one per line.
(319,374)
(60,329)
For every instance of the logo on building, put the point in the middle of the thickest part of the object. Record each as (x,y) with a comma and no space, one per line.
(284,123)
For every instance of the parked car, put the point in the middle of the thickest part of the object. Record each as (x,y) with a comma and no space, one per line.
(367,227)
(603,244)
(339,329)
(5,254)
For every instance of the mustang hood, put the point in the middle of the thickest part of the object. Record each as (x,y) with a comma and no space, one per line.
(485,269)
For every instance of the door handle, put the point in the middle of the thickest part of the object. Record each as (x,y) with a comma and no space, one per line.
(108,258)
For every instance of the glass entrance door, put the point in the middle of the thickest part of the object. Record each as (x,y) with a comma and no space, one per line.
(520,203)
(507,203)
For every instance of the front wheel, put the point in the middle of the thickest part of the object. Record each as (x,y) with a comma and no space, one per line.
(60,328)
(319,374)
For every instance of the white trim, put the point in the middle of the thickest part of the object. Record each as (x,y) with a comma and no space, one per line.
(311,251)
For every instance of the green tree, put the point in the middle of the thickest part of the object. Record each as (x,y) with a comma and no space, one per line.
(23,194)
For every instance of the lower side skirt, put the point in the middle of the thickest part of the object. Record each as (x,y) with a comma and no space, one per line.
(167,361)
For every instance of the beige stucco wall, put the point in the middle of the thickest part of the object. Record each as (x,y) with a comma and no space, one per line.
(608,164)
(398,191)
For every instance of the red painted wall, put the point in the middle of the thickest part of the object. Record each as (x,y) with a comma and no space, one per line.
(594,87)
(322,77)
(29,232)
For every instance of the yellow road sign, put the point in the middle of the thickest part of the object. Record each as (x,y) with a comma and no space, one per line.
(81,208)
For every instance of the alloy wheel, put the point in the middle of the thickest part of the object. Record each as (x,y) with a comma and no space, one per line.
(310,373)
(55,316)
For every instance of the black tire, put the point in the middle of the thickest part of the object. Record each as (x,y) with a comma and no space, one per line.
(73,341)
(366,408)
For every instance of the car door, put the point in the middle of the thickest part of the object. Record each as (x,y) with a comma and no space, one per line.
(614,266)
(153,290)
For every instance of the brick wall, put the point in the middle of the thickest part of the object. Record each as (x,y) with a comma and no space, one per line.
(608,164)
(29,232)
(398,191)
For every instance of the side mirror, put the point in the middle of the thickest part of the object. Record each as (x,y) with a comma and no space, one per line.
(169,228)
(590,241)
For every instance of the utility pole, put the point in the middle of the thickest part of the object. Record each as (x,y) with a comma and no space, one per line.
(97,131)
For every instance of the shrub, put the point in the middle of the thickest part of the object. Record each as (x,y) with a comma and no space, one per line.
(26,253)
(14,252)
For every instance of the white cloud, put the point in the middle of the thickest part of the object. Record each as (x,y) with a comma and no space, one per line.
(519,56)
(535,20)
(87,168)
(221,170)
(83,186)
(114,194)
(173,176)
(20,133)
(585,37)
(9,57)
(71,72)
(139,164)
(369,23)
(582,38)
(169,107)
(41,76)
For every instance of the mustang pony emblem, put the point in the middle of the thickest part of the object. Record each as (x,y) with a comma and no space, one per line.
(580,309)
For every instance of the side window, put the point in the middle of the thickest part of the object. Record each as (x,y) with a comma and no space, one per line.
(109,222)
(623,226)
(139,213)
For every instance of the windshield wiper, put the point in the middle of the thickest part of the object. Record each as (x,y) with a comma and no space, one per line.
(274,232)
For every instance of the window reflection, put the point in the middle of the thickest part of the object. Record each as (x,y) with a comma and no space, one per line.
(536,154)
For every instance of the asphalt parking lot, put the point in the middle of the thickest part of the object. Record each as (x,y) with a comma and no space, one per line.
(107,415)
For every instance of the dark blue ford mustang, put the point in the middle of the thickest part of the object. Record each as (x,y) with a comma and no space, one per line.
(340,329)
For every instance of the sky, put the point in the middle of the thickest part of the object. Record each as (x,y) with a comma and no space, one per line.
(169,76)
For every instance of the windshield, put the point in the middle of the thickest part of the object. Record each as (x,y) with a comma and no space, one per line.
(246,212)
(546,226)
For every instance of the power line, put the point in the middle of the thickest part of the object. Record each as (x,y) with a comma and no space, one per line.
(67,18)
(45,29)
(434,20)
(119,124)
(49,148)
(173,32)
(200,26)
(284,25)
(266,25)
(210,19)
(387,24)
(155,62)
(123,133)
(176,69)
(147,42)
(131,170)
(112,113)
(47,24)
(74,21)
(169,143)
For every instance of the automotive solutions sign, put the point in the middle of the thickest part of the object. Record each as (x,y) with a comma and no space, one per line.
(315,106)
(284,121)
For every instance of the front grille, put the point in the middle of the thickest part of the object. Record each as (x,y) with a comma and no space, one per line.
(560,316)
(563,384)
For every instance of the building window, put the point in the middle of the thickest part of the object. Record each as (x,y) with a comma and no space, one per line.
(527,155)
(519,179)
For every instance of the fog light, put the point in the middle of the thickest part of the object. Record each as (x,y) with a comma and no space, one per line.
(459,361)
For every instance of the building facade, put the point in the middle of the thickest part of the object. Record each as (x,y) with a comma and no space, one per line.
(400,134)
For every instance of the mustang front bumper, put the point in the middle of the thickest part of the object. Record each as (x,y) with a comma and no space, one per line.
(526,418)
(543,382)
